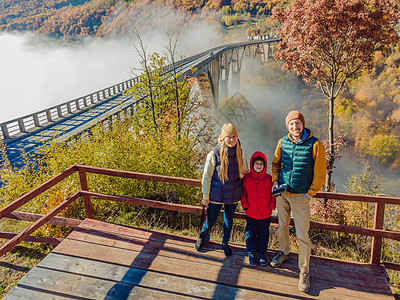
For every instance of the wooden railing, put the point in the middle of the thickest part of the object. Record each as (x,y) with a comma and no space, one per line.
(9,211)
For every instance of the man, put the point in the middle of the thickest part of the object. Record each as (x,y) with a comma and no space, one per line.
(299,161)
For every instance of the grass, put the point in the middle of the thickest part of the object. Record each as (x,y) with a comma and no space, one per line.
(394,282)
(17,262)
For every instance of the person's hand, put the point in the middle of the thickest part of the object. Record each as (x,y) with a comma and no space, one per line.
(274,185)
(205,202)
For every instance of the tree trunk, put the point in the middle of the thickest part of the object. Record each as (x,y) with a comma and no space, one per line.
(331,150)
(171,48)
(177,106)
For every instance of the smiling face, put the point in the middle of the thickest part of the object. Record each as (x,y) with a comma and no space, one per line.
(258,166)
(231,141)
(296,127)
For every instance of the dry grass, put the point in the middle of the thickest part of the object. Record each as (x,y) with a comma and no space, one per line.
(17,262)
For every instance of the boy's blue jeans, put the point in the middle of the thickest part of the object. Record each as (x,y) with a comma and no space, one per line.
(213,212)
(257,235)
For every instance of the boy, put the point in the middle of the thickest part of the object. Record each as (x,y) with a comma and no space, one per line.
(258,205)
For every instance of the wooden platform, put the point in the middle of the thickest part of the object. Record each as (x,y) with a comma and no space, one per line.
(104,261)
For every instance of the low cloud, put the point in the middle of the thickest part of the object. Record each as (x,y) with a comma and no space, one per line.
(272,100)
(39,72)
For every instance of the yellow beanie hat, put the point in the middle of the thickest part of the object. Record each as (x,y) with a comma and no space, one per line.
(227,130)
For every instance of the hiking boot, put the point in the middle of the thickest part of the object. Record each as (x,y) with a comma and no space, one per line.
(200,243)
(263,260)
(304,282)
(227,249)
(252,260)
(279,259)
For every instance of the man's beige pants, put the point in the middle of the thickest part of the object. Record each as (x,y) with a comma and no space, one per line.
(299,205)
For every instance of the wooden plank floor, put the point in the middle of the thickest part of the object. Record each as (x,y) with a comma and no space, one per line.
(104,261)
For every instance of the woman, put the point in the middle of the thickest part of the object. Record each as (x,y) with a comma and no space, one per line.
(222,185)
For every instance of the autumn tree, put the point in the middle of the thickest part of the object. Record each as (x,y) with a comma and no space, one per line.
(329,41)
(151,67)
(171,49)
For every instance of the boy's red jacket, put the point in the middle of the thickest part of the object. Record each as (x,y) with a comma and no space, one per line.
(256,199)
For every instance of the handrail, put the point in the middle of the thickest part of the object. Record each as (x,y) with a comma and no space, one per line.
(22,235)
(23,124)
(197,209)
(136,175)
(8,211)
(357,197)
(36,192)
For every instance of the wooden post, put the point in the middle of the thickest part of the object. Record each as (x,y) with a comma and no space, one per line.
(86,199)
(378,224)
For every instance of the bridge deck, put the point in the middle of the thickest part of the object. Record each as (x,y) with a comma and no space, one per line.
(100,260)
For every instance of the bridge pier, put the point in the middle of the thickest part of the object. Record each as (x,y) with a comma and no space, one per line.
(223,70)
(234,83)
(220,75)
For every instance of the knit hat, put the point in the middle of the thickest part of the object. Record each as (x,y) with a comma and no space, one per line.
(294,114)
(227,130)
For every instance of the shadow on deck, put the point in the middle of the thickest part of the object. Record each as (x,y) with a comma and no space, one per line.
(105,261)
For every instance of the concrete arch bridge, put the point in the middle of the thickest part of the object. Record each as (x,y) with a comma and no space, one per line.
(224,66)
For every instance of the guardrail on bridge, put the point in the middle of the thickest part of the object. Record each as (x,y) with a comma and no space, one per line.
(18,126)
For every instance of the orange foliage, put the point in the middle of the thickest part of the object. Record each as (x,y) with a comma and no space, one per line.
(88,17)
(53,199)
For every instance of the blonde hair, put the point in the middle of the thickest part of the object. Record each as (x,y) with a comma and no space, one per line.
(223,154)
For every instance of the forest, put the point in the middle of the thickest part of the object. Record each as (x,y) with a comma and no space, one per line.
(62,18)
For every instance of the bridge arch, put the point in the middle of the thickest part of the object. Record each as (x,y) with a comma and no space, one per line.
(223,67)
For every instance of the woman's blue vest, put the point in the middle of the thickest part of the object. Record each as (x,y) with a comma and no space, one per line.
(232,191)
(297,164)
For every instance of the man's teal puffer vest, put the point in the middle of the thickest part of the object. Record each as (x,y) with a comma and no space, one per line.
(297,164)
